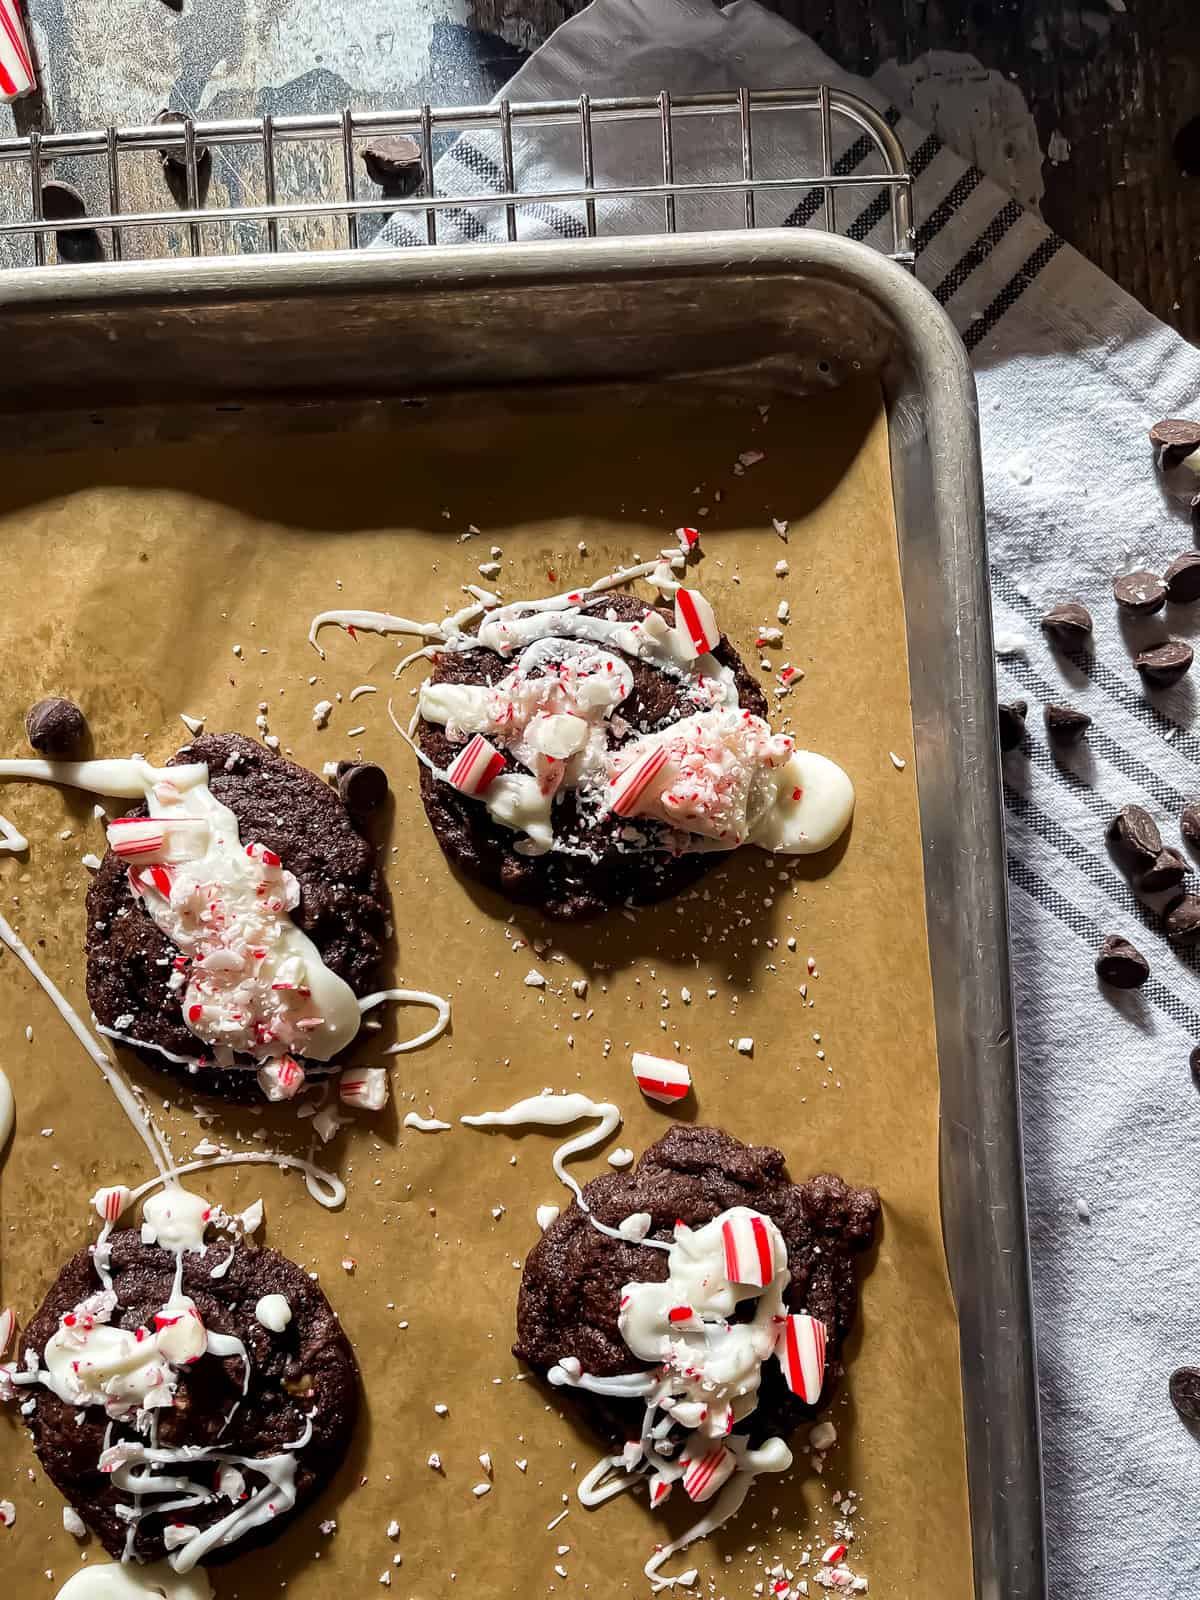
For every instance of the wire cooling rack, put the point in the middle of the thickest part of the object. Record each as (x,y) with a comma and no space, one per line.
(811,156)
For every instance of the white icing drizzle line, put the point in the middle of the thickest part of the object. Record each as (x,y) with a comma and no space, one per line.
(140,1118)
(11,838)
(326,1188)
(411,997)
(556,1111)
(148,1044)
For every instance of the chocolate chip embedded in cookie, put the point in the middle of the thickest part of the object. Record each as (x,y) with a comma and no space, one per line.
(221,1002)
(626,1324)
(146,1380)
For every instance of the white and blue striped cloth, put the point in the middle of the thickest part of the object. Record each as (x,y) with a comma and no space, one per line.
(1071,372)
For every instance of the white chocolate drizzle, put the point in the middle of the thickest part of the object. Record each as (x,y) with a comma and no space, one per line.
(425,1124)
(8,1114)
(411,997)
(250,980)
(140,1119)
(704,1381)
(11,839)
(117,1580)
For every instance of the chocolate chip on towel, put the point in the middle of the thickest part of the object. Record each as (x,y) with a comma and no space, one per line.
(55,727)
(1168,872)
(1194,1063)
(1069,624)
(1185,1392)
(1164,664)
(1065,725)
(1183,920)
(1141,592)
(1120,964)
(1012,723)
(361,785)
(1182,578)
(1134,834)
(1176,438)
(394,164)
(1189,824)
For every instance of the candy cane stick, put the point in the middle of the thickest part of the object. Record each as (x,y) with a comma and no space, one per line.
(17,77)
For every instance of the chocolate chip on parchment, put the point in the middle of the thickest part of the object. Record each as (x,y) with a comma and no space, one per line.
(55,727)
(1120,964)
(1167,872)
(1065,724)
(1189,824)
(361,785)
(1182,579)
(1069,624)
(1142,593)
(1012,723)
(1183,920)
(1134,834)
(1176,439)
(394,163)
(1184,1389)
(1164,664)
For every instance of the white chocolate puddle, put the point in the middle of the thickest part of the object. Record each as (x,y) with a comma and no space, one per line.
(119,1581)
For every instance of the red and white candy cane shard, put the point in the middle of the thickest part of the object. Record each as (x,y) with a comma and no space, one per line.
(8,1323)
(476,768)
(132,838)
(111,1204)
(749,1250)
(256,852)
(833,1555)
(801,1354)
(660,1079)
(697,621)
(364,1087)
(17,76)
(704,1475)
(628,787)
(688,538)
(282,1079)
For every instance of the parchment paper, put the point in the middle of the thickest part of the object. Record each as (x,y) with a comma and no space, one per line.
(136,574)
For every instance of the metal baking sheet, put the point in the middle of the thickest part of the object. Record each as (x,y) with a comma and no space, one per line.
(213,347)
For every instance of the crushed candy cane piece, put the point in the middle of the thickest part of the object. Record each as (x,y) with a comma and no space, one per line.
(476,768)
(704,1475)
(696,621)
(629,786)
(800,1351)
(282,1079)
(749,1248)
(110,1204)
(688,538)
(365,1088)
(661,1079)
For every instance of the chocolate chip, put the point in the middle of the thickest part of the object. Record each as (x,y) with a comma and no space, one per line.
(1012,723)
(1194,1064)
(1142,593)
(55,727)
(1167,872)
(1065,725)
(62,202)
(1120,965)
(1176,439)
(1185,1392)
(1069,624)
(174,162)
(1164,664)
(1182,578)
(395,165)
(1183,920)
(1134,834)
(361,785)
(1189,825)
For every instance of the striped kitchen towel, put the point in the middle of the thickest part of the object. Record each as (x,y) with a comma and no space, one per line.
(1071,372)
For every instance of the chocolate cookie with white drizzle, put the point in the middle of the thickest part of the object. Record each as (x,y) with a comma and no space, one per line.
(696,1308)
(237,919)
(590,749)
(185,1391)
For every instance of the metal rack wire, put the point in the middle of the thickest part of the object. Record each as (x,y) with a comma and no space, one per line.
(778,156)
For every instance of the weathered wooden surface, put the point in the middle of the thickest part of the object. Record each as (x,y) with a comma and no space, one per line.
(1112,86)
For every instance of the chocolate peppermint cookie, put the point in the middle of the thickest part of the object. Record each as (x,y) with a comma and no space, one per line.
(702,1290)
(592,750)
(236,919)
(185,1413)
